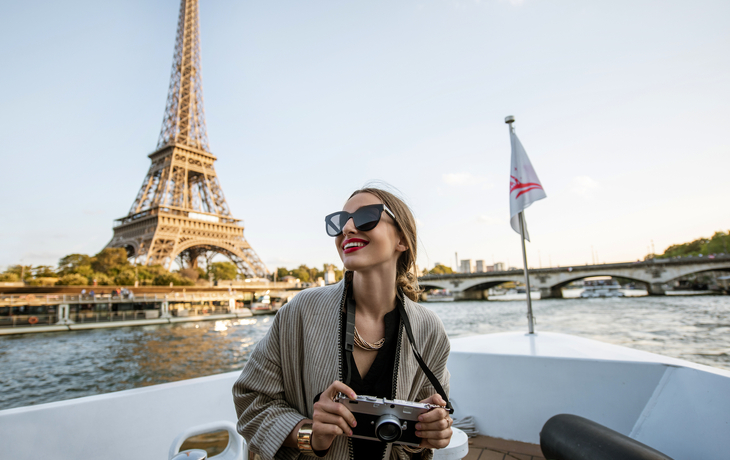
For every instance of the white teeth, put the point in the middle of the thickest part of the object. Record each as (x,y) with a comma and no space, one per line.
(354,245)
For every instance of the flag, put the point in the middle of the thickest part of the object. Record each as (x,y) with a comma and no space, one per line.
(524,185)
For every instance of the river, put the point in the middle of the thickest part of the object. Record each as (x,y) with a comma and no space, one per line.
(41,368)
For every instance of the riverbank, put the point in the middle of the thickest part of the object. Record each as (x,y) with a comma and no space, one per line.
(242,313)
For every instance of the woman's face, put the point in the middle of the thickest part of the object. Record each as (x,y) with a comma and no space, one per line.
(379,247)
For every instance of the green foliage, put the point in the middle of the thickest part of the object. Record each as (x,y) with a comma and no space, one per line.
(110,261)
(164,279)
(147,274)
(440,270)
(43,271)
(301,272)
(125,278)
(306,274)
(42,281)
(718,244)
(22,271)
(223,270)
(75,263)
(72,279)
(9,277)
(101,279)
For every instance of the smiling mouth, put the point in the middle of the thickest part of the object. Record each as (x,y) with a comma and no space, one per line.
(353,245)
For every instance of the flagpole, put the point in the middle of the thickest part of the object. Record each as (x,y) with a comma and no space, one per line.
(530,322)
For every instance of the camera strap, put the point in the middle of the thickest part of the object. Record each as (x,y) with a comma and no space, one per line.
(432,378)
(350,338)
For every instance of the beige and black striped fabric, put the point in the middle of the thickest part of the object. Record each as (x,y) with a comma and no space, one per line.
(299,358)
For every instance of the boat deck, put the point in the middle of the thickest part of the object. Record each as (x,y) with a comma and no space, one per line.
(486,448)
(480,447)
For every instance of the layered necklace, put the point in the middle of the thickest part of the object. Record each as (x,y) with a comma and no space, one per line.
(365,345)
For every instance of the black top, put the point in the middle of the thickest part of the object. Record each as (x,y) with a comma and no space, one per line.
(377,382)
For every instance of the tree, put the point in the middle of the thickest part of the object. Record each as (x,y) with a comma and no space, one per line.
(44,271)
(125,278)
(110,261)
(192,273)
(9,277)
(75,263)
(223,270)
(23,272)
(102,279)
(301,272)
(164,279)
(440,270)
(718,244)
(73,279)
(146,274)
(281,272)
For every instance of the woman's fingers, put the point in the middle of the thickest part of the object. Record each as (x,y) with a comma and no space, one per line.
(337,387)
(434,426)
(335,420)
(436,443)
(331,418)
(433,415)
(435,399)
(334,408)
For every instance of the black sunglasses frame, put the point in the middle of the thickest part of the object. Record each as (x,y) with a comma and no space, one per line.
(363,219)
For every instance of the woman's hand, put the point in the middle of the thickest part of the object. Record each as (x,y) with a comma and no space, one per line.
(330,418)
(435,425)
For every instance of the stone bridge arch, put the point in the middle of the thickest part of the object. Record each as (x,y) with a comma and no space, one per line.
(192,248)
(654,273)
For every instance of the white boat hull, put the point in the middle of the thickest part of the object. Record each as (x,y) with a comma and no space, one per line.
(510,383)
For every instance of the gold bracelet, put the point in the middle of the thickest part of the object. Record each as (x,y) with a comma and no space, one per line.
(304,438)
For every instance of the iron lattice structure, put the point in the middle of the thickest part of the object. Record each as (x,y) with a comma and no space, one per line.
(180,210)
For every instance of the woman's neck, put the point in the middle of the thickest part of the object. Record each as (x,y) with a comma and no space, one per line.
(374,292)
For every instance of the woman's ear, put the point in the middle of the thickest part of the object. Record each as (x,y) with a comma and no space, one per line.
(402,245)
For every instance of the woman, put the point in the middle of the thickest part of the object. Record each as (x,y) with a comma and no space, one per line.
(285,395)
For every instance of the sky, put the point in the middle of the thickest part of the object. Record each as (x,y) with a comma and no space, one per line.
(623,108)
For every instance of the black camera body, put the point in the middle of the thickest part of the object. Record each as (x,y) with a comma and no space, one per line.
(387,420)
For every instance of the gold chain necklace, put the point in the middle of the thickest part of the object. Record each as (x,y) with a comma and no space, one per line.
(365,345)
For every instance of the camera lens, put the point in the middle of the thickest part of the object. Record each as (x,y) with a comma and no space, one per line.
(387,428)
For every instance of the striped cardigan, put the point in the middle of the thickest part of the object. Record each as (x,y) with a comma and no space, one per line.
(300,357)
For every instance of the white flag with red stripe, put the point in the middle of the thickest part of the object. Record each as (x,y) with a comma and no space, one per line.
(524,185)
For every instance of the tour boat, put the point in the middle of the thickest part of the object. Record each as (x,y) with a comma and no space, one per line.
(600,288)
(439,295)
(509,383)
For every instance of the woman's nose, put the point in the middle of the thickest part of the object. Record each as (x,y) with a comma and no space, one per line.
(349,226)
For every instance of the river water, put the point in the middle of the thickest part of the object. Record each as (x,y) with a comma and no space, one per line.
(41,368)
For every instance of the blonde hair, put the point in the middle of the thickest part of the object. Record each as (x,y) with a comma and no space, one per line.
(406,277)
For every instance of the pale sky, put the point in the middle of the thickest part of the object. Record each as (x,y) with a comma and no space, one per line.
(622,106)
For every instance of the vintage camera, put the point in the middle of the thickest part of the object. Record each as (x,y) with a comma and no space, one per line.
(385,420)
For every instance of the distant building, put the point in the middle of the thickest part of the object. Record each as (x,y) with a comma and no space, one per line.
(499,266)
(465,266)
(481,267)
(329,275)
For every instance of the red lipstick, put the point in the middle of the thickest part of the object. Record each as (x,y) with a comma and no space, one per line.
(354,244)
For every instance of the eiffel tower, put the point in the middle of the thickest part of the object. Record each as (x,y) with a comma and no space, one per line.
(180,211)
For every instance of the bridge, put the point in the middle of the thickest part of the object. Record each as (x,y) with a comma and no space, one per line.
(655,273)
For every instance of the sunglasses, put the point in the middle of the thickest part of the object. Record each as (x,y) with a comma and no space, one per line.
(365,218)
